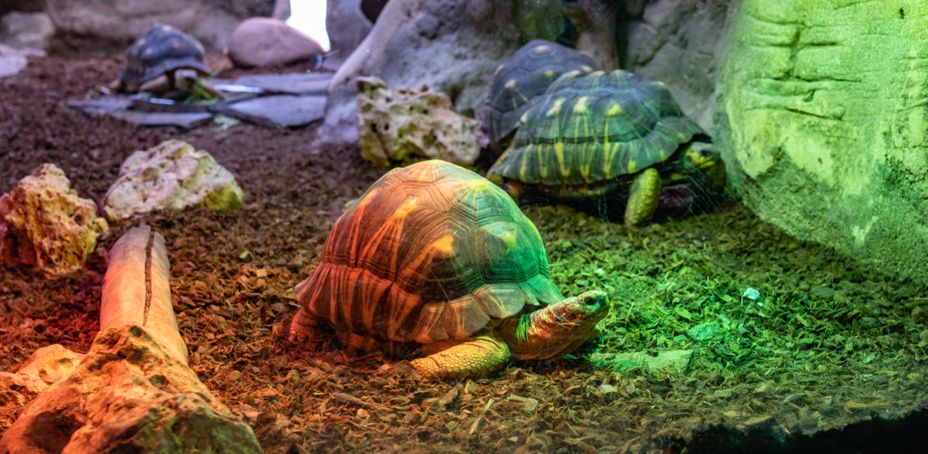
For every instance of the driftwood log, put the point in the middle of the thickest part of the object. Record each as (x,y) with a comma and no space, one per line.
(133,391)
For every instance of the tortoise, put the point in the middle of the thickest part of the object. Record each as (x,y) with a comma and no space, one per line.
(601,136)
(437,262)
(524,77)
(165,59)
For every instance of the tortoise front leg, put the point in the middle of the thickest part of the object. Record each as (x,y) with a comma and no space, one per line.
(643,197)
(476,357)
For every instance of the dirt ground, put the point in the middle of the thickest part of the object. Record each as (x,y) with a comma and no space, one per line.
(828,344)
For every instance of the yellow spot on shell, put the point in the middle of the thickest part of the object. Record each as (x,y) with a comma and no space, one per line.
(632,166)
(559,151)
(556,108)
(615,109)
(541,49)
(580,106)
(511,83)
(586,68)
(597,73)
(550,73)
(444,245)
(405,209)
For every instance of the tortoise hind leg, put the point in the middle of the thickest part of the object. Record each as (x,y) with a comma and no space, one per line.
(643,197)
(475,357)
(303,325)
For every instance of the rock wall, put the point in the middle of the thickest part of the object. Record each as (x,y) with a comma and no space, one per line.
(118,23)
(827,103)
(681,43)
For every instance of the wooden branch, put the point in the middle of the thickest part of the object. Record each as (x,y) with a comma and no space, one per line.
(129,299)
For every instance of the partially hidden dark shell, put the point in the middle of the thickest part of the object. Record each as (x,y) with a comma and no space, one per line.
(430,252)
(589,128)
(163,49)
(524,77)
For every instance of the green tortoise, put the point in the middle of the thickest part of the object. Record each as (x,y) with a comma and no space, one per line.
(437,261)
(523,78)
(608,136)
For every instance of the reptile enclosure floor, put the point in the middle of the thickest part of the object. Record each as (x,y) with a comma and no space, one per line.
(831,357)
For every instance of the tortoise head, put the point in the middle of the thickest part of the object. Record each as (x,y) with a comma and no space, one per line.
(556,329)
(702,162)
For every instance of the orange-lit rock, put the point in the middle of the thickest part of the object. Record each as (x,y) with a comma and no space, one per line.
(43,223)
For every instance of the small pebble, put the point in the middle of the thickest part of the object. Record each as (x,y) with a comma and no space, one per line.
(751,294)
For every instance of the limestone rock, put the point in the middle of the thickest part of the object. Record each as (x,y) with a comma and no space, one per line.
(398,127)
(265,42)
(26,30)
(51,364)
(128,395)
(829,127)
(172,175)
(43,223)
(122,22)
(347,26)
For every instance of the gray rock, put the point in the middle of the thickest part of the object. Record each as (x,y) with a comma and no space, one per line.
(680,43)
(121,22)
(266,42)
(347,26)
(452,47)
(171,175)
(26,30)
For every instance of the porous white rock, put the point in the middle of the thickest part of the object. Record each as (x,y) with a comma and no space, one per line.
(172,175)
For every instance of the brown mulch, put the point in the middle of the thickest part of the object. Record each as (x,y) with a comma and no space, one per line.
(233,276)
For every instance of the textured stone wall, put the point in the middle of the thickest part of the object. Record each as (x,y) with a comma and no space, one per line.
(827,103)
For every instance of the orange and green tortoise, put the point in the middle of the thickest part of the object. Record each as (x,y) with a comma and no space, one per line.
(437,261)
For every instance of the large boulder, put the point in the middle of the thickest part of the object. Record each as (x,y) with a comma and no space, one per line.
(347,26)
(45,224)
(407,124)
(451,46)
(171,176)
(122,22)
(265,42)
(827,103)
(26,30)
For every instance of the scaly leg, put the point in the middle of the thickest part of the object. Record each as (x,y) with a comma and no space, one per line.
(643,197)
(476,357)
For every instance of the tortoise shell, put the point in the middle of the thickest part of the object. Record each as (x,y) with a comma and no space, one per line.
(430,252)
(525,76)
(590,128)
(162,50)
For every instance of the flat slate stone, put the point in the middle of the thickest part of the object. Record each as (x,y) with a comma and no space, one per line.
(12,61)
(117,107)
(281,111)
(289,84)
